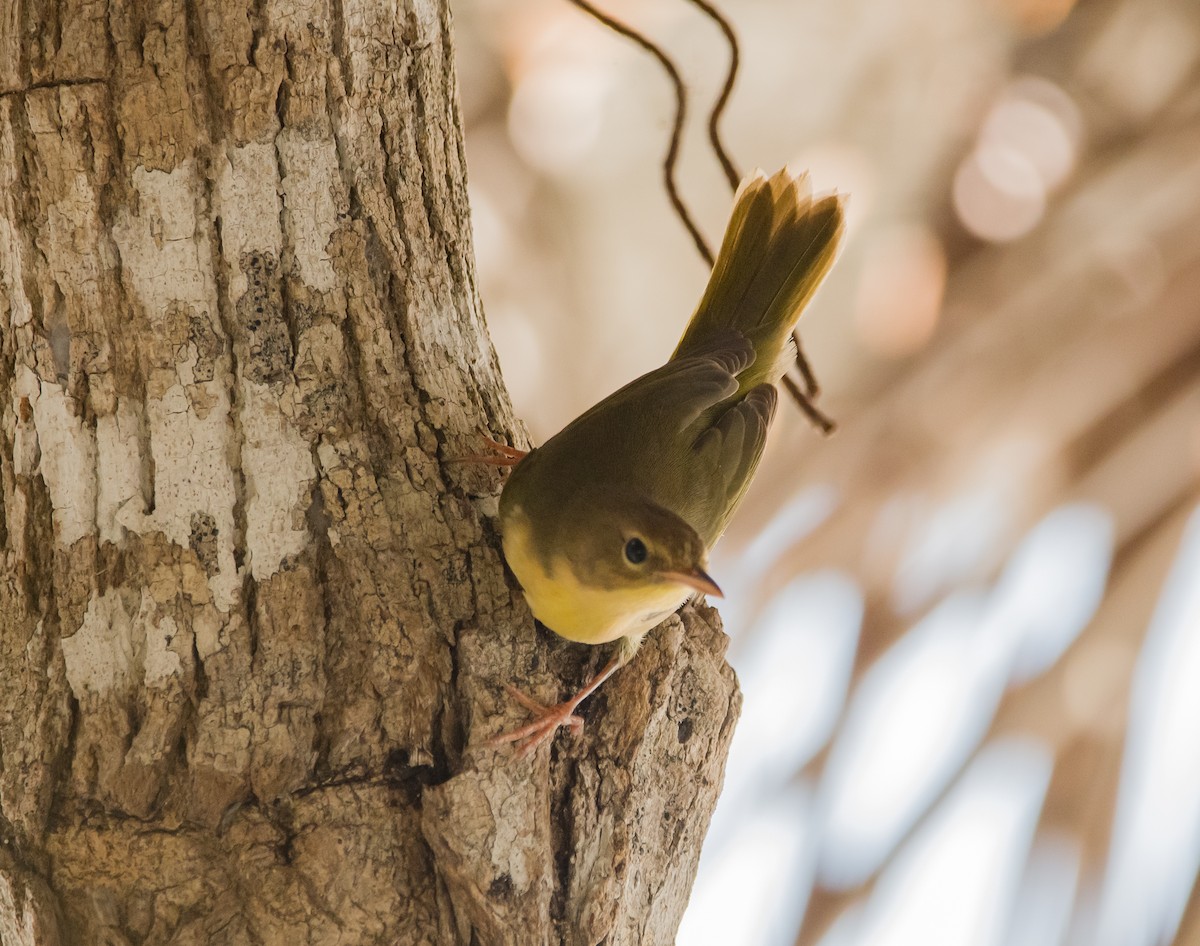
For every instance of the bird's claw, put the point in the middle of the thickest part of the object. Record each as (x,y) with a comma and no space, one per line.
(548,721)
(501,453)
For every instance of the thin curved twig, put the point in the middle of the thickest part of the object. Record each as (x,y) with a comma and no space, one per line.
(732,175)
(816,416)
(811,387)
(680,113)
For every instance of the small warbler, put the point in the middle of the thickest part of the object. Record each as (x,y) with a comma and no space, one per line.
(608,525)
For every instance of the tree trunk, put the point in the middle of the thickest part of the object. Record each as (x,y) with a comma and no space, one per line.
(253,624)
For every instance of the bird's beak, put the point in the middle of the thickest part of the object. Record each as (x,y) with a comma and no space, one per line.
(697,578)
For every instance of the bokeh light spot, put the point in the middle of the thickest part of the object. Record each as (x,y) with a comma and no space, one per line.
(956,880)
(998,193)
(900,290)
(556,114)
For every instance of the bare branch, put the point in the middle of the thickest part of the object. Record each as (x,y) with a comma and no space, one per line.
(819,419)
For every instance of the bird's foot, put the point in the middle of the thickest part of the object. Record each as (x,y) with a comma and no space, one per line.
(550,718)
(548,721)
(501,453)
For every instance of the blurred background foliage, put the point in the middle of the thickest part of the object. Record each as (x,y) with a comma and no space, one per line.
(967,626)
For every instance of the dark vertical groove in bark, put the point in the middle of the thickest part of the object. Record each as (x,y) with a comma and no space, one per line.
(19,16)
(205,99)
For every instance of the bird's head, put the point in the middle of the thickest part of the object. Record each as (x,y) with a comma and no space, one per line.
(621,542)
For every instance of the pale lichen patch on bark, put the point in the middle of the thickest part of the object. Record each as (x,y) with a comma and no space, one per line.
(192,474)
(122,644)
(314,198)
(164,250)
(162,663)
(246,201)
(120,472)
(167,269)
(100,654)
(66,452)
(277,464)
(276,459)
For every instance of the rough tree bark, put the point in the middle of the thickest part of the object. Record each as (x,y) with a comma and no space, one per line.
(252,623)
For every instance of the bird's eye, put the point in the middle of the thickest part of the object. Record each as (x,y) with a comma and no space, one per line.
(635,551)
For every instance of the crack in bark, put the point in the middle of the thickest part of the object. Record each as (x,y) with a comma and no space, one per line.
(562,826)
(287,243)
(225,318)
(53,84)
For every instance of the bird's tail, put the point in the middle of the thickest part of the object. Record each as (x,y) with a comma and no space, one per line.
(778,246)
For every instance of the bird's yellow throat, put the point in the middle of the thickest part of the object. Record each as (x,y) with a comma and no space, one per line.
(580,612)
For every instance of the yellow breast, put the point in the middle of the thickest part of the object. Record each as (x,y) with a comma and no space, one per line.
(580,612)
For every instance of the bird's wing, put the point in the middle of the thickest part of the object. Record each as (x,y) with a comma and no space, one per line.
(675,395)
(727,454)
